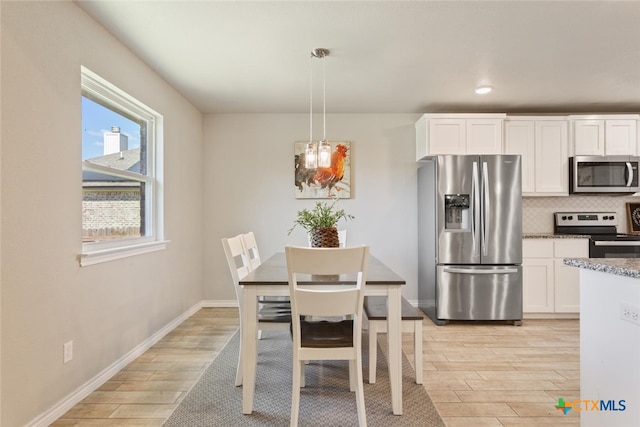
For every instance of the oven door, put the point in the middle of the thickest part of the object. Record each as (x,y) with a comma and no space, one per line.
(613,174)
(614,249)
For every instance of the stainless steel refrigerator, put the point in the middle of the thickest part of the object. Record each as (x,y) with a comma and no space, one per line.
(470,238)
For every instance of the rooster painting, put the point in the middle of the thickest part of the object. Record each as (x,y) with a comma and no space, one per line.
(325,182)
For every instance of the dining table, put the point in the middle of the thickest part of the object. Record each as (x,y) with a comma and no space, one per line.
(271,279)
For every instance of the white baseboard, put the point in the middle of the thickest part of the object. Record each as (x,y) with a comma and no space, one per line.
(87,388)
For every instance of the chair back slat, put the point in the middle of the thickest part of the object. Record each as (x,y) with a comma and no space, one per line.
(327,303)
(342,238)
(237,261)
(329,261)
(251,249)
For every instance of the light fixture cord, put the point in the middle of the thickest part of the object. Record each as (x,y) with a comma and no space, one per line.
(311,99)
(324,99)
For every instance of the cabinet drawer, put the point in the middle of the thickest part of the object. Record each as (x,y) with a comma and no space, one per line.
(537,248)
(572,248)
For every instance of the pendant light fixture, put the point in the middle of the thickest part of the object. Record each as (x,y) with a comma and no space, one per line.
(318,154)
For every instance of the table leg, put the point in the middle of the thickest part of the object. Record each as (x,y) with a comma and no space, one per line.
(394,336)
(249,347)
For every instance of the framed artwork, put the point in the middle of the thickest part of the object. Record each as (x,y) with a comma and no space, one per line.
(324,183)
(633,217)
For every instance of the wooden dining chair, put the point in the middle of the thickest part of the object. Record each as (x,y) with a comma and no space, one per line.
(321,340)
(269,316)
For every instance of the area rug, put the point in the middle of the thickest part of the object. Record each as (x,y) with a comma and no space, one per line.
(325,401)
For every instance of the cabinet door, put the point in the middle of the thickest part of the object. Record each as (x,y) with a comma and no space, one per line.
(484,136)
(537,285)
(552,163)
(620,137)
(520,139)
(567,278)
(447,136)
(567,288)
(589,137)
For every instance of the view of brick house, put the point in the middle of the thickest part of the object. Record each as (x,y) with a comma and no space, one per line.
(111,205)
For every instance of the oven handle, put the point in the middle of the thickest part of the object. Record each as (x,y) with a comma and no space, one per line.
(617,243)
(630,171)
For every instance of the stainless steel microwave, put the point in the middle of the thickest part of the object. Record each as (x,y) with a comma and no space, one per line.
(603,174)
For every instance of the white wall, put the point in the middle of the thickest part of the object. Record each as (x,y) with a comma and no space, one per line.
(47,299)
(249,185)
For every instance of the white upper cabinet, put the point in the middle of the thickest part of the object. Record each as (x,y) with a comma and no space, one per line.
(620,137)
(543,146)
(605,135)
(552,161)
(458,134)
(446,136)
(484,136)
(519,138)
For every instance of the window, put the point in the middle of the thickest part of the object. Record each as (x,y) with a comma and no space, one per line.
(121,197)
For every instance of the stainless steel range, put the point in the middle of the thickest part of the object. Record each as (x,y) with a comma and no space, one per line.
(602,229)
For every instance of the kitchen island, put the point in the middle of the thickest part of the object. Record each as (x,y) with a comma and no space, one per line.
(609,344)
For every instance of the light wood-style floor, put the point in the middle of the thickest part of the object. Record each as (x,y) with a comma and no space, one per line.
(477,375)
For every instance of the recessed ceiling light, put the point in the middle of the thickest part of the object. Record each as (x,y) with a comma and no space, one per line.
(482,90)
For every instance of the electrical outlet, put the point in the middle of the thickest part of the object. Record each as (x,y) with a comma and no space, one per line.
(67,352)
(630,313)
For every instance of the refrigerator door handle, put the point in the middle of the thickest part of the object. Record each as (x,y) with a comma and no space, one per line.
(475,213)
(462,270)
(485,208)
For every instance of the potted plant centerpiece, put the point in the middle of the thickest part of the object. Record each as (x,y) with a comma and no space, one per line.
(320,223)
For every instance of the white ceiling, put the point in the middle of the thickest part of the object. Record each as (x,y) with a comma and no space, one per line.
(388,56)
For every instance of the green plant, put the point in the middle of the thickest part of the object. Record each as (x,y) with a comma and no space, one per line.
(323,215)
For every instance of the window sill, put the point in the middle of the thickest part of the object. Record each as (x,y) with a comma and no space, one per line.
(106,255)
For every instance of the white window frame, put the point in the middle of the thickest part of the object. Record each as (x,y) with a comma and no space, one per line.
(98,252)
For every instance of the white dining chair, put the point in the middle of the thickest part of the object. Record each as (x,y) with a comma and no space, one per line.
(268,318)
(268,307)
(313,340)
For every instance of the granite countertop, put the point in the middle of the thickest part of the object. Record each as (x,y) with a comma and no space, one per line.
(629,267)
(553,236)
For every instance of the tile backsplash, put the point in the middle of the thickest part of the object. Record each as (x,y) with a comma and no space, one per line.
(537,212)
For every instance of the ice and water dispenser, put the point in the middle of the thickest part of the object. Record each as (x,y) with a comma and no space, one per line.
(456,212)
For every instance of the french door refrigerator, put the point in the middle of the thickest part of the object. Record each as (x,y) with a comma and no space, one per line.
(470,238)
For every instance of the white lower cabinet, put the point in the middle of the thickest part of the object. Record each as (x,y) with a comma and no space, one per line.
(550,286)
